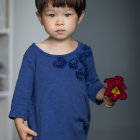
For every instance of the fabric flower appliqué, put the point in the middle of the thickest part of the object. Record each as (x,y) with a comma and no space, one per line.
(73,63)
(80,74)
(87,51)
(60,62)
(86,71)
(115,88)
(81,58)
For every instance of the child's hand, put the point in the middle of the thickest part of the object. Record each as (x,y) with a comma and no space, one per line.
(24,132)
(108,102)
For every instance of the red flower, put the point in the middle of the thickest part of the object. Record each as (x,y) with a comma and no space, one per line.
(115,88)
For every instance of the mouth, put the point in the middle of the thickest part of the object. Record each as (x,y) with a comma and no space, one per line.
(60,31)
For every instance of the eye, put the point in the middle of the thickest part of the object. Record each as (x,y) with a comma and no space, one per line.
(51,15)
(67,15)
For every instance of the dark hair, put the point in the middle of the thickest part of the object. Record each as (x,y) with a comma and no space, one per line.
(78,5)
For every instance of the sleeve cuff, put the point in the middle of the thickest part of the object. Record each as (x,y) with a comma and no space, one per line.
(95,90)
(13,115)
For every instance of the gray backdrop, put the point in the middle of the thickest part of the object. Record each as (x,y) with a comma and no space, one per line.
(111,27)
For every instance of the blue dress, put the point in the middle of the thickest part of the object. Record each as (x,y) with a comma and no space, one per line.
(52,92)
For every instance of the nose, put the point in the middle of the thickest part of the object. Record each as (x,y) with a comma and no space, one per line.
(59,22)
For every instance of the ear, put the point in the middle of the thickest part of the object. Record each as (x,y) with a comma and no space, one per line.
(81,17)
(39,17)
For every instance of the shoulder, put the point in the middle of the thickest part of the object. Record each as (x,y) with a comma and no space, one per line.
(85,46)
(30,50)
(30,53)
(87,49)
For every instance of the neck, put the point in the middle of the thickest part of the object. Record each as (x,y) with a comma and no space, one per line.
(60,43)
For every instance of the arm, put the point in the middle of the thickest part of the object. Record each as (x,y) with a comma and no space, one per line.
(93,84)
(22,96)
(23,89)
(95,88)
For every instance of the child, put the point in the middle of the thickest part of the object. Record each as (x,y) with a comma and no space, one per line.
(56,78)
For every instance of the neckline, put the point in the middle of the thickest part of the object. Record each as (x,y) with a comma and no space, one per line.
(58,55)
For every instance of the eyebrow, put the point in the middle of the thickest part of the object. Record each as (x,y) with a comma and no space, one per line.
(55,10)
(49,10)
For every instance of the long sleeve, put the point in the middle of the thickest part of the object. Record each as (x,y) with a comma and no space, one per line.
(93,83)
(24,88)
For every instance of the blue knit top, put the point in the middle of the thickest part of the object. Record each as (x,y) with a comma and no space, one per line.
(52,92)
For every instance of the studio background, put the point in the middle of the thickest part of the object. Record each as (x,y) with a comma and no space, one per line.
(111,27)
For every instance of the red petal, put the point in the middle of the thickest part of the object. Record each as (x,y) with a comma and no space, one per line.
(119,78)
(116,82)
(110,85)
(108,92)
(123,96)
(123,87)
(114,98)
(107,80)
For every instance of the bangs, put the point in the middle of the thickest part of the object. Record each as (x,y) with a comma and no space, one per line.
(78,5)
(64,3)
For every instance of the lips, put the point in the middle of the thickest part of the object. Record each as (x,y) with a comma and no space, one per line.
(60,31)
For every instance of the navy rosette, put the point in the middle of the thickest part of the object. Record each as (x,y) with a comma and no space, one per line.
(81,57)
(73,63)
(80,74)
(60,62)
(85,71)
(87,51)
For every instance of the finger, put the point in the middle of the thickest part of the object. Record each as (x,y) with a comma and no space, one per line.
(31,132)
(105,97)
(23,136)
(109,103)
(107,100)
(108,106)
(29,137)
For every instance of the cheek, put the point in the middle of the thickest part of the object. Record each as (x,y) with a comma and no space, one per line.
(71,25)
(48,25)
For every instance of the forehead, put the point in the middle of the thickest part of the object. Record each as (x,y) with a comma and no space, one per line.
(51,8)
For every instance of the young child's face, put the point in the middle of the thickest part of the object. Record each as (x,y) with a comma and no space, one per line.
(59,23)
